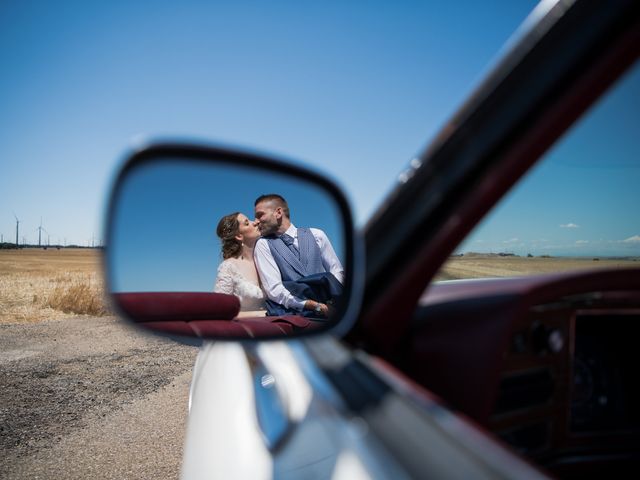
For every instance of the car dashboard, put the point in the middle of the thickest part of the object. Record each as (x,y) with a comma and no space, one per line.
(546,363)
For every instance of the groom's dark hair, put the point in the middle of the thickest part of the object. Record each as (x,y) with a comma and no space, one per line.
(275,198)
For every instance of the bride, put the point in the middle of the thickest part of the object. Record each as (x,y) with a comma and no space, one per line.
(237,274)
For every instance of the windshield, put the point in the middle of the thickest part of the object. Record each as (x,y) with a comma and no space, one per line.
(577,208)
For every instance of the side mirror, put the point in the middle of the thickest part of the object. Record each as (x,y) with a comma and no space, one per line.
(191,254)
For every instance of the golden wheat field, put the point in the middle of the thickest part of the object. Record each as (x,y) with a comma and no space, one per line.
(480,265)
(37,284)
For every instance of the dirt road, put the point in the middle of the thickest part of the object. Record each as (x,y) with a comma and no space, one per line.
(91,398)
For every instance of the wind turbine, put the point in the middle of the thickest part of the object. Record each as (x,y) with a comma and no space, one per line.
(17,223)
(40,232)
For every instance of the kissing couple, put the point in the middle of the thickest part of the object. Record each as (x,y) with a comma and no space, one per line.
(275,268)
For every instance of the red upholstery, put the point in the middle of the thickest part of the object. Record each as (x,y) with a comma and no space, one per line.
(257,329)
(163,306)
(253,327)
(294,321)
(218,328)
(205,315)
(288,323)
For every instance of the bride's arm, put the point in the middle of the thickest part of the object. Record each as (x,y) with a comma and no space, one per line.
(224,279)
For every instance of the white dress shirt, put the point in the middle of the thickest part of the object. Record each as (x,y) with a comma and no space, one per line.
(271,277)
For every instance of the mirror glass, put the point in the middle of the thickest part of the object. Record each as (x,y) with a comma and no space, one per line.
(191,253)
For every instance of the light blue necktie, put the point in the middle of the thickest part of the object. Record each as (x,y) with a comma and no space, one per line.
(288,240)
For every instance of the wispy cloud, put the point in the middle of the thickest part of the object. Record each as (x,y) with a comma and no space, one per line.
(569,225)
(581,242)
(634,239)
(511,240)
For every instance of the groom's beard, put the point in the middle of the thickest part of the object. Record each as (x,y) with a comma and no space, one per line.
(270,233)
(268,230)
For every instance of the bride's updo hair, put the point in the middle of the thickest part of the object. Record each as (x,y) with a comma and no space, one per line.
(227,230)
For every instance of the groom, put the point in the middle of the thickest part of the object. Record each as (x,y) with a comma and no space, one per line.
(289,259)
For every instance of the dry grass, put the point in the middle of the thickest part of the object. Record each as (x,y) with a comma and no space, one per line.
(479,266)
(39,284)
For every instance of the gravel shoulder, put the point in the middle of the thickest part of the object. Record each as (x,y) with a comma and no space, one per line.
(91,398)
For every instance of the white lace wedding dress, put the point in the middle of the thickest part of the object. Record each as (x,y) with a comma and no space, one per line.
(231,281)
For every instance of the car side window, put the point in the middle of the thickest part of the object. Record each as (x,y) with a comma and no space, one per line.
(577,208)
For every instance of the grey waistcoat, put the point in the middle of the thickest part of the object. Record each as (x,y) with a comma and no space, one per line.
(292,268)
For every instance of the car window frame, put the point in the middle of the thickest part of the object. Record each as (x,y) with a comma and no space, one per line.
(564,63)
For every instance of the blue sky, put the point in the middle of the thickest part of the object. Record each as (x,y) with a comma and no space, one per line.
(353,89)
(166,217)
(583,198)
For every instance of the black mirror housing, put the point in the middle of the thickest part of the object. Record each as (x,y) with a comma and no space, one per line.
(195,247)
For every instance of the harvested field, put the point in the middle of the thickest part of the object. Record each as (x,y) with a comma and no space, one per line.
(38,284)
(479,265)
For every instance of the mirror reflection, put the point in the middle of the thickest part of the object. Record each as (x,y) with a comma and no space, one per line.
(216,250)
